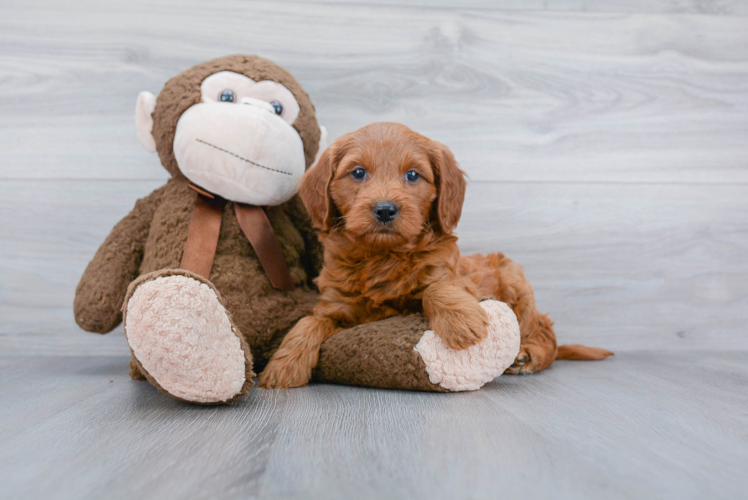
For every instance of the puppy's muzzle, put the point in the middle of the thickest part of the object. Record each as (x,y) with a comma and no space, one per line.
(384,211)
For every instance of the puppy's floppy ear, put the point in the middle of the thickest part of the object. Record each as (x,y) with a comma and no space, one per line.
(315,190)
(450,186)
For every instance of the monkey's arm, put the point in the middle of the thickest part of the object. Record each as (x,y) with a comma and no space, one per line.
(101,291)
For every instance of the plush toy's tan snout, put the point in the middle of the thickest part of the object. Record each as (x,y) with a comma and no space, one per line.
(242,152)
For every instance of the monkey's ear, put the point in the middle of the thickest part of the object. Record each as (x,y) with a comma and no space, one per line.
(450,186)
(144,120)
(322,144)
(315,190)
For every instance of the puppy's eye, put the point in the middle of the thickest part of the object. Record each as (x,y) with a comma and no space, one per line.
(412,176)
(227,96)
(358,174)
(278,107)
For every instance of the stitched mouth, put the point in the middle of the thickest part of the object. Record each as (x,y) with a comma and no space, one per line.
(244,159)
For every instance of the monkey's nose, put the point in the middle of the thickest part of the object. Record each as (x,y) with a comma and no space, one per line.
(258,103)
(384,211)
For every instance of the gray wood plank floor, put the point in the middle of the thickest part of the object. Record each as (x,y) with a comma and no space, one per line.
(645,425)
(606,146)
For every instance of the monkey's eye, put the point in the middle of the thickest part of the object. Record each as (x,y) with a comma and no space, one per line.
(412,176)
(226,96)
(358,174)
(278,107)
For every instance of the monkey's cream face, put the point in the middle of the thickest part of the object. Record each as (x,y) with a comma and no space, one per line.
(239,143)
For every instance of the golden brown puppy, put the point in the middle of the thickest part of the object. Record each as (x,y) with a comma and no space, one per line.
(386,200)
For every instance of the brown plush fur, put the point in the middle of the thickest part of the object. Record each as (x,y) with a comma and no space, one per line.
(152,236)
(412,264)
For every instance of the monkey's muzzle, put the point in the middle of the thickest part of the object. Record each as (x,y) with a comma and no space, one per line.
(243,153)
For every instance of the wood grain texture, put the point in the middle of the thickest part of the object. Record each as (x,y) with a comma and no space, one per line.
(544,96)
(641,425)
(712,7)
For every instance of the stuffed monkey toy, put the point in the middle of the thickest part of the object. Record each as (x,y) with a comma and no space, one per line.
(210,271)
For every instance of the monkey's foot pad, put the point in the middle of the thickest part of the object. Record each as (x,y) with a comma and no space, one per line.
(468,369)
(184,340)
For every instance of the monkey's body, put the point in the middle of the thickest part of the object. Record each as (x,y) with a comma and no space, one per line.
(155,233)
(262,313)
(242,129)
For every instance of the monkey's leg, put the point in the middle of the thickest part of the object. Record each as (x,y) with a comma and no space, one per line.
(183,340)
(396,353)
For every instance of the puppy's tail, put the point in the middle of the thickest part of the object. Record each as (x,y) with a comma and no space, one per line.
(579,352)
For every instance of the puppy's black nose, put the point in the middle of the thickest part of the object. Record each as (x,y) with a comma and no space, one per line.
(384,211)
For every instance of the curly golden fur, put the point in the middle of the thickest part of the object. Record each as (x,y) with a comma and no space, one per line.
(405,261)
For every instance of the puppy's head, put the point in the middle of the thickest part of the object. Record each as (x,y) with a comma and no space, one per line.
(384,184)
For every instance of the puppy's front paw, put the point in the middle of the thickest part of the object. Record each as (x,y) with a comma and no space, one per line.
(284,372)
(461,329)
